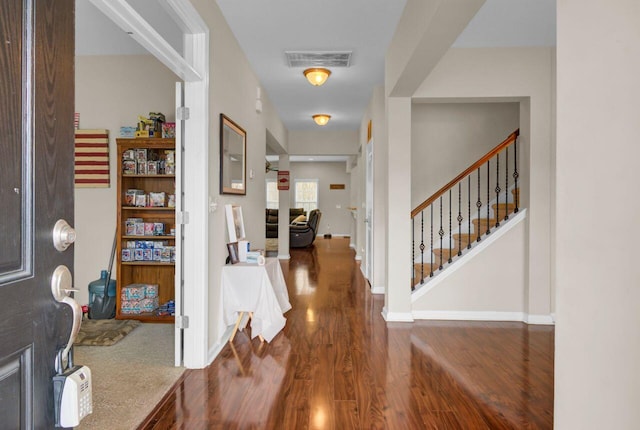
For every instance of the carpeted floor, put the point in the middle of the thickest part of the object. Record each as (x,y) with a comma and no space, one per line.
(130,377)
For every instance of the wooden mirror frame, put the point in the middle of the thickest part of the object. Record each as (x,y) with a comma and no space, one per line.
(228,130)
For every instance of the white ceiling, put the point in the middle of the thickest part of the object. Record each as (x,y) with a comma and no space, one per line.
(98,35)
(265,29)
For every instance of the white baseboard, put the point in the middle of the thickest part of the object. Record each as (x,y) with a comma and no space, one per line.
(540,320)
(373,289)
(358,257)
(483,316)
(396,316)
(284,257)
(377,289)
(215,349)
(469,315)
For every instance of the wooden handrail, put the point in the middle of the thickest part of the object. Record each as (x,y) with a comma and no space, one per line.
(508,141)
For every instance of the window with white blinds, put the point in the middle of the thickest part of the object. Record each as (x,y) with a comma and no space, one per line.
(272,194)
(306,194)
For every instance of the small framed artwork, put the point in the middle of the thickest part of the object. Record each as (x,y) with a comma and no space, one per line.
(235,222)
(233,252)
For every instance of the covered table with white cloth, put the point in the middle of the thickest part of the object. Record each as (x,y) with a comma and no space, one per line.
(259,290)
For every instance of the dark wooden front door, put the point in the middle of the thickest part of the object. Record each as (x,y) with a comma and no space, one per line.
(36,189)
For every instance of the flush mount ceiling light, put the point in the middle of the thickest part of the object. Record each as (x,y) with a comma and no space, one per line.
(317,75)
(321,118)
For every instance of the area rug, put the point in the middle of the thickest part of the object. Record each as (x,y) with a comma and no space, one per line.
(105,332)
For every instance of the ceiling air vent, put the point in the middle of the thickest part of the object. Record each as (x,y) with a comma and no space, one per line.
(318,58)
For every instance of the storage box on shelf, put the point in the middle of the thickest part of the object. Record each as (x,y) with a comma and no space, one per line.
(145,228)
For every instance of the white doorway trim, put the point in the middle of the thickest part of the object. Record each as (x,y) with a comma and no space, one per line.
(193,68)
(368,217)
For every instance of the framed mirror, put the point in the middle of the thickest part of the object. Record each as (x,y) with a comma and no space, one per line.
(233,156)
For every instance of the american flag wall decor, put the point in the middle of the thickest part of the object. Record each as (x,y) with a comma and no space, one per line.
(92,159)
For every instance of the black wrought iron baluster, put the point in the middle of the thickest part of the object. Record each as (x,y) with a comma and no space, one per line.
(497,214)
(450,252)
(488,195)
(422,247)
(506,184)
(441,234)
(469,211)
(431,265)
(515,174)
(479,206)
(459,219)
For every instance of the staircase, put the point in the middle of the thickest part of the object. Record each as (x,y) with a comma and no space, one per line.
(464,212)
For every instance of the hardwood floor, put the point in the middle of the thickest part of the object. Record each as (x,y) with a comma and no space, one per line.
(339,365)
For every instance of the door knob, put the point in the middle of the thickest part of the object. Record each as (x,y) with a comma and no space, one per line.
(63,235)
(61,288)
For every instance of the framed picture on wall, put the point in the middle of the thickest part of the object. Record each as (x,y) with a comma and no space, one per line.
(233,156)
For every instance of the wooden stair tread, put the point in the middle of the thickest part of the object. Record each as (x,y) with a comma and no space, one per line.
(464,239)
(418,272)
(491,221)
(510,206)
(417,267)
(445,254)
(463,235)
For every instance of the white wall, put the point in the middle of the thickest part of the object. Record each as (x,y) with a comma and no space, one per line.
(111,91)
(397,287)
(448,137)
(232,91)
(335,220)
(323,142)
(597,383)
(426,30)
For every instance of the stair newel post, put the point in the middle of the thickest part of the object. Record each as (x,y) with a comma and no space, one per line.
(413,252)
(469,211)
(449,260)
(506,183)
(497,214)
(459,218)
(441,234)
(515,174)
(478,205)
(431,249)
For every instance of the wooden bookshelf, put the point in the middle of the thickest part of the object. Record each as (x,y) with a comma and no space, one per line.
(157,272)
